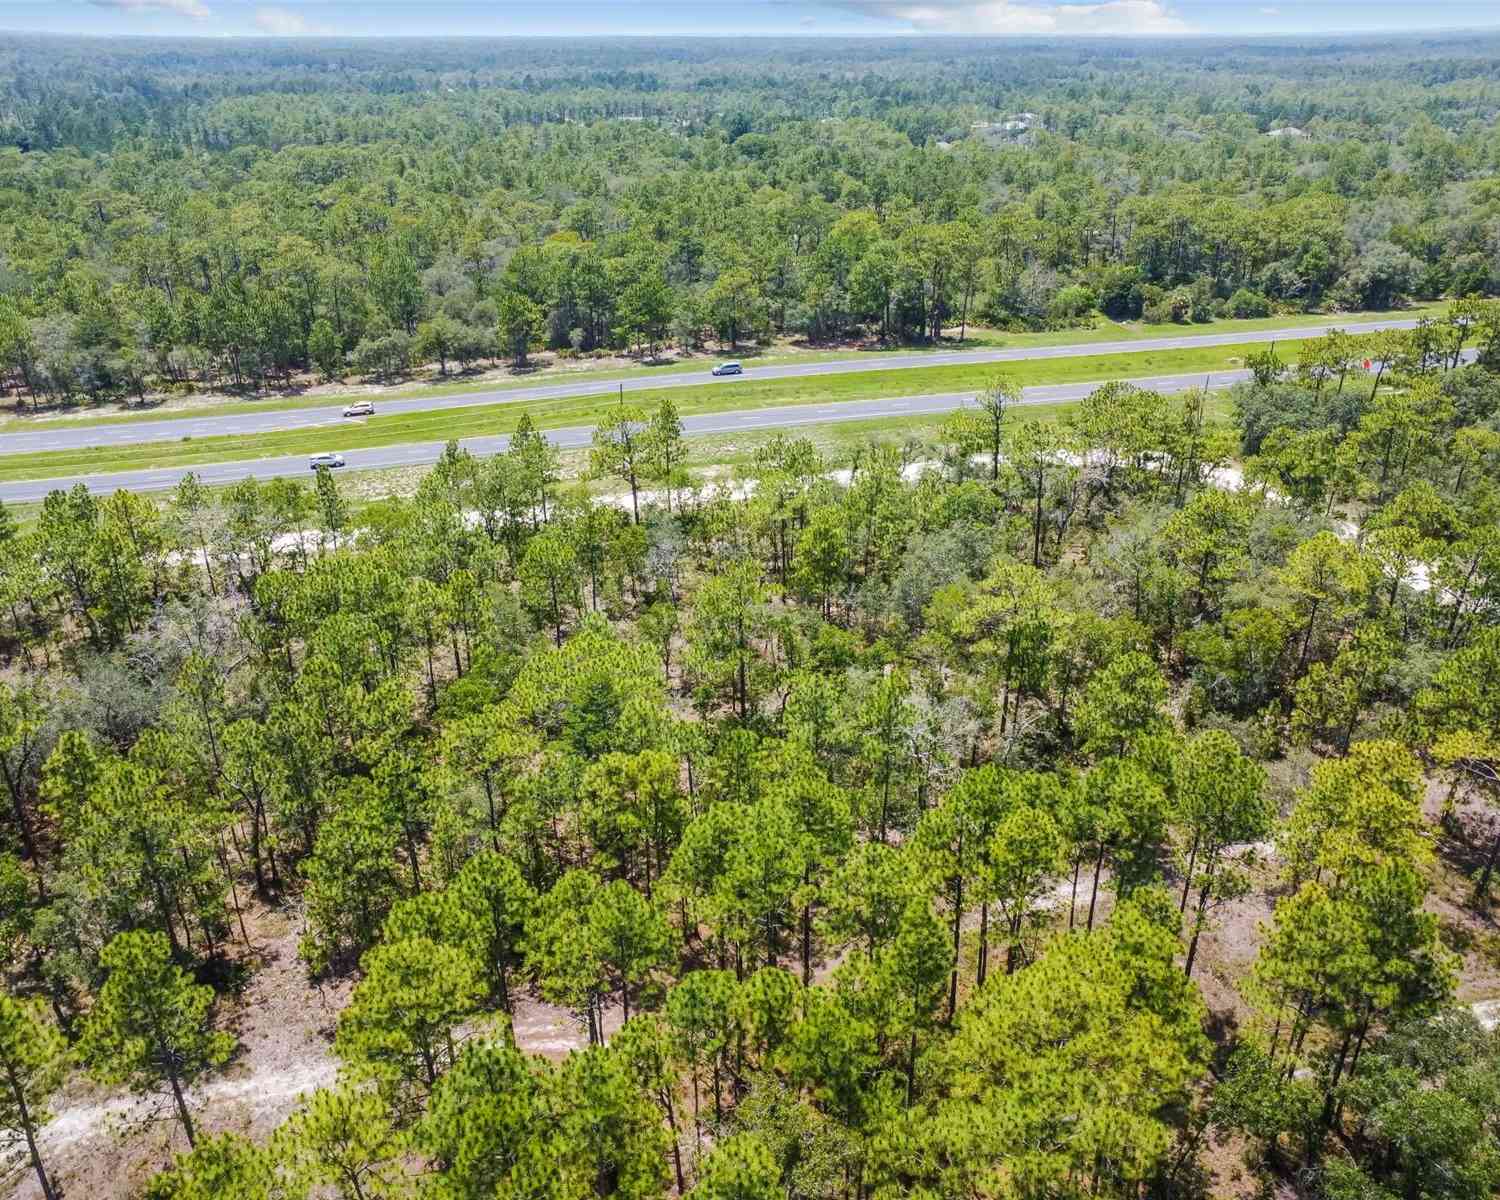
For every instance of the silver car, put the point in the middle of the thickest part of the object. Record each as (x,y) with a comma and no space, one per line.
(729,368)
(328,459)
(360,408)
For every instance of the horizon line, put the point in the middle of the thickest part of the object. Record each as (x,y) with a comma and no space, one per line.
(730,35)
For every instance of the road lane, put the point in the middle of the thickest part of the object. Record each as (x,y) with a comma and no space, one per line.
(61,437)
(421,453)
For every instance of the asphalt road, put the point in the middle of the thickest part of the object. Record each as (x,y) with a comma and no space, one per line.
(62,437)
(421,453)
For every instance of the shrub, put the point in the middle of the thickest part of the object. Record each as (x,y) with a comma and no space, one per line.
(1072,302)
(1247,303)
(1121,294)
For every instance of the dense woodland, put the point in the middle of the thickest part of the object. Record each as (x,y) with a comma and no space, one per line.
(872,816)
(887,809)
(199,215)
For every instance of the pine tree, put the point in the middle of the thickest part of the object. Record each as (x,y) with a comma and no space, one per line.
(631,937)
(1331,697)
(140,841)
(401,1025)
(635,812)
(885,761)
(344,1139)
(520,320)
(612,1132)
(226,1167)
(195,521)
(822,818)
(738,1168)
(698,863)
(480,1119)
(1353,946)
(491,903)
(332,510)
(949,846)
(21,745)
(325,349)
(33,1058)
(255,777)
(149,1023)
(1033,450)
(351,878)
(644,1046)
(1021,860)
(866,895)
(1221,802)
(550,579)
(728,619)
(562,951)
(1459,715)
(913,970)
(769,1001)
(754,895)
(622,448)
(831,1053)
(1065,1075)
(666,453)
(981,429)
(1121,703)
(537,466)
(702,1017)
(1129,810)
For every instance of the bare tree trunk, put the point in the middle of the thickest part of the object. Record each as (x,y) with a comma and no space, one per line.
(48,1192)
(1094,895)
(958,916)
(182,1108)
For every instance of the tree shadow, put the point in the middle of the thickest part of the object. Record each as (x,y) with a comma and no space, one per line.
(1465,841)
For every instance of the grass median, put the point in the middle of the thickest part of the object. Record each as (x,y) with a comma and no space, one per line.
(564,412)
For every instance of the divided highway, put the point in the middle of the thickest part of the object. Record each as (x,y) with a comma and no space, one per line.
(418,454)
(60,436)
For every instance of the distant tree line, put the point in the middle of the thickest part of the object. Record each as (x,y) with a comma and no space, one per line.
(257,227)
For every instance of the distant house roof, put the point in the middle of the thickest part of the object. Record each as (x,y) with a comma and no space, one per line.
(1017,127)
(1286,131)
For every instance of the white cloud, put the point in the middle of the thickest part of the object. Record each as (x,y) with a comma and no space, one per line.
(1270,12)
(283,22)
(808,22)
(1013,18)
(184,8)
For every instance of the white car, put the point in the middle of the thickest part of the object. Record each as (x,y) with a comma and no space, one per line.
(729,368)
(326,460)
(360,408)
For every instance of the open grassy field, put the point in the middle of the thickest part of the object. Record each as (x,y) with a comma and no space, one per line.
(977,338)
(587,410)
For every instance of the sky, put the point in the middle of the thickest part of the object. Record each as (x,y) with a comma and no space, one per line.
(804,18)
